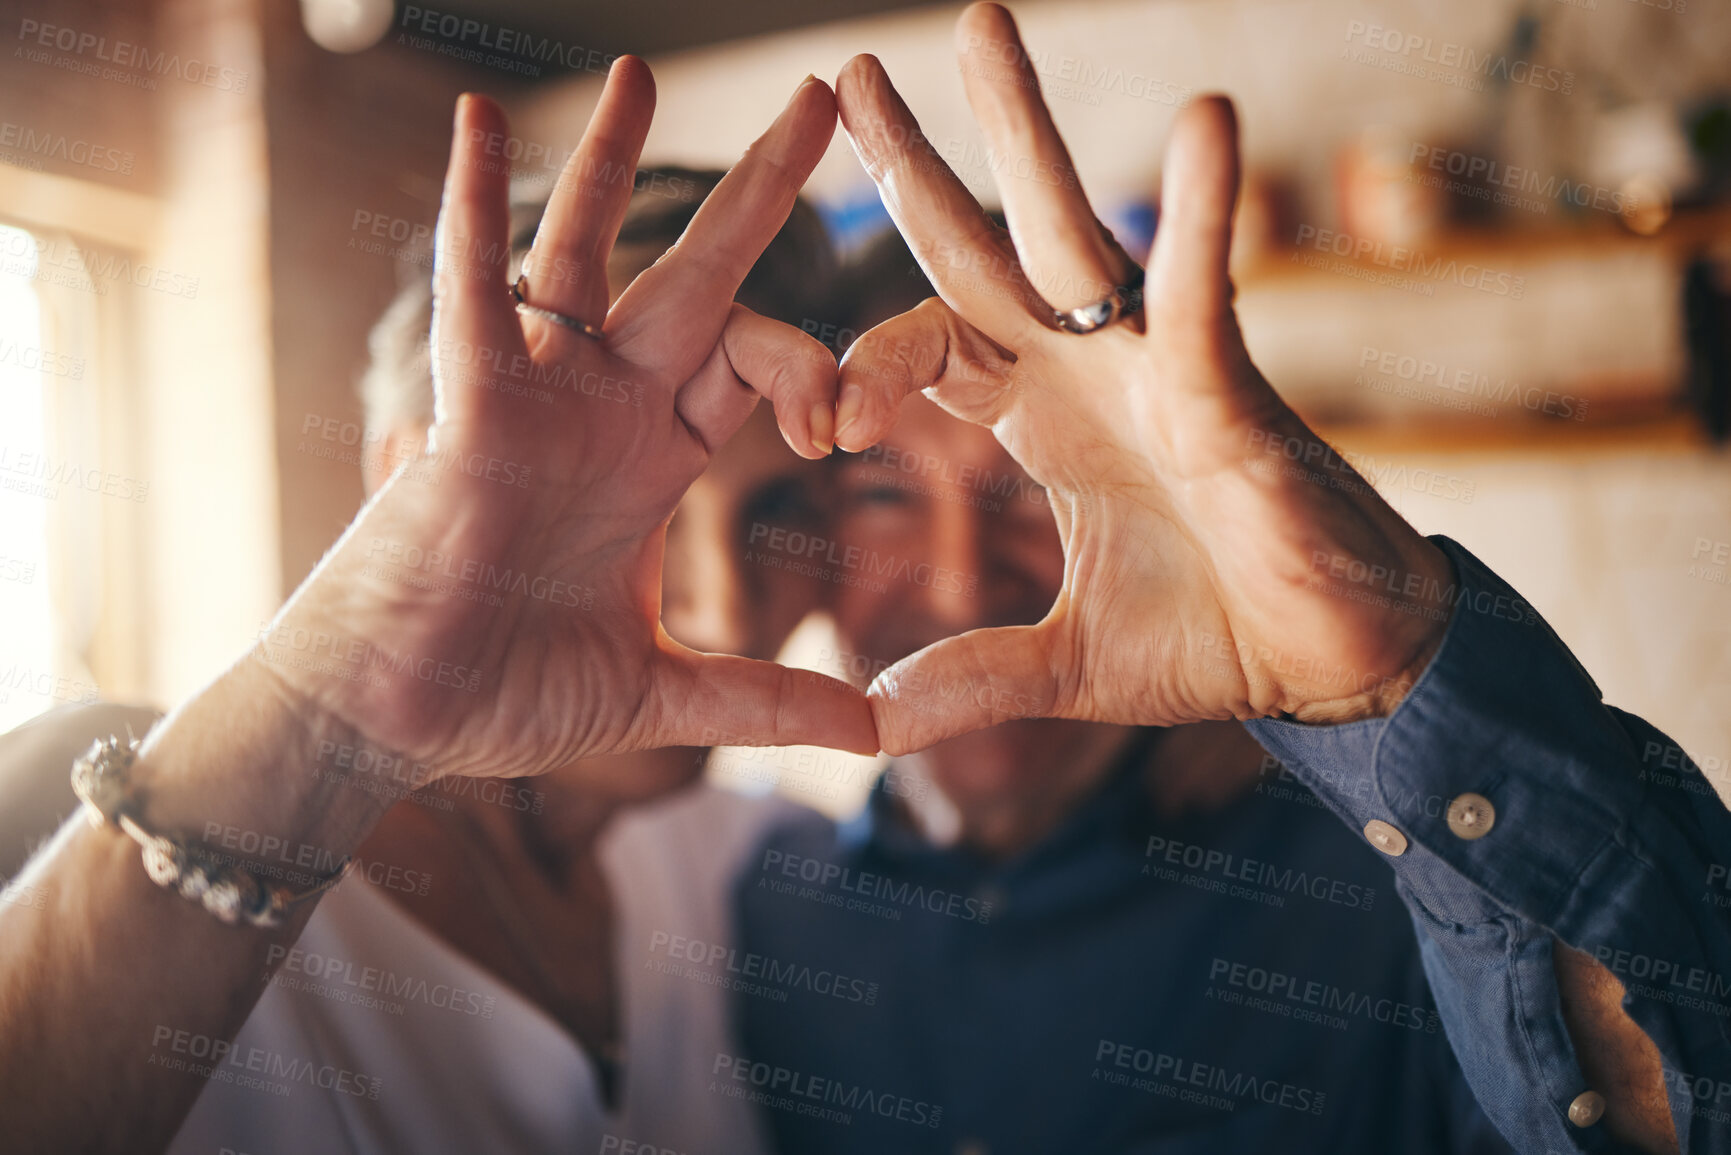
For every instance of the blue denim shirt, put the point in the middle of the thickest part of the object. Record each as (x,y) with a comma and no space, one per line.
(1258,977)
(1605,837)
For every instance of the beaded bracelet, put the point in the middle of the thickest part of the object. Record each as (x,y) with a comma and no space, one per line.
(232,894)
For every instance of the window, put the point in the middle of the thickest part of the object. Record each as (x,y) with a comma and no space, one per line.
(69,503)
(27,633)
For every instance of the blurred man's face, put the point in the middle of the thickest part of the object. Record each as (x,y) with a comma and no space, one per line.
(981,550)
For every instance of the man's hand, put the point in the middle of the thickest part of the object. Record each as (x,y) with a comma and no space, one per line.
(1220,560)
(496,610)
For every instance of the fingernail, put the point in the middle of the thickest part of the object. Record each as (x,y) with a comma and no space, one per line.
(800,87)
(822,427)
(848,412)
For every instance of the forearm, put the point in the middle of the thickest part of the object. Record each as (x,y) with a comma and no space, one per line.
(112,989)
(1515,811)
(1614,1053)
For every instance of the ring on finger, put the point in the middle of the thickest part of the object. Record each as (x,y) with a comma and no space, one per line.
(520,294)
(1123,300)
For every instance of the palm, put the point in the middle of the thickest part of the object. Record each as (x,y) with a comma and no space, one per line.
(1190,587)
(504,590)
(1187,573)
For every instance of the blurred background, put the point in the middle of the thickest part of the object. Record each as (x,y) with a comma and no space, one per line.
(1485,248)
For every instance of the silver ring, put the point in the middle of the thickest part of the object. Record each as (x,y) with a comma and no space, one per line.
(520,293)
(1126,298)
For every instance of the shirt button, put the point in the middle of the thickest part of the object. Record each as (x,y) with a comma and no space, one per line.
(1385,837)
(1472,816)
(1586,1109)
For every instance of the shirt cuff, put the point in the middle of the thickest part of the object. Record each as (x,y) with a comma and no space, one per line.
(1504,723)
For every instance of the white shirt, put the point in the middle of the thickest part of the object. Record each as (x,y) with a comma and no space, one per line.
(427,1052)
(375,1035)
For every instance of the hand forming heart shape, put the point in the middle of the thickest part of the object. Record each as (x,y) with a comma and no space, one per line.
(1204,525)
(1193,542)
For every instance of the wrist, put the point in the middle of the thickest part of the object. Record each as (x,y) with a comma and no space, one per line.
(1410,631)
(238,769)
(389,637)
(1379,702)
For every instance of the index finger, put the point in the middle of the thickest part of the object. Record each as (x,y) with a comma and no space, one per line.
(967,257)
(672,314)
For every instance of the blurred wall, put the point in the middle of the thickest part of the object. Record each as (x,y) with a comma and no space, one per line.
(357,151)
(1114,70)
(176,275)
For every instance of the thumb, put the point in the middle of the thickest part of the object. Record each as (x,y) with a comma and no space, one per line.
(962,684)
(721,700)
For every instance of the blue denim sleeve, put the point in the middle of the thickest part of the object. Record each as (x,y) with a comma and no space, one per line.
(1601,834)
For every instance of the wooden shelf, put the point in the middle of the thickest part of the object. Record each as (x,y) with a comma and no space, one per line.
(1677,433)
(1685,233)
(1589,318)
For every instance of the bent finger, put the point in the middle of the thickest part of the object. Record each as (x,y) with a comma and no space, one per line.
(930,348)
(759,356)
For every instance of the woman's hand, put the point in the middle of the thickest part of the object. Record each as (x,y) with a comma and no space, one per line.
(495,609)
(1212,542)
